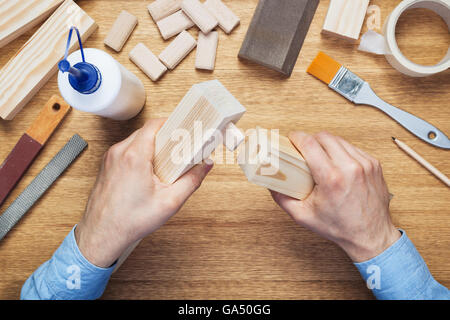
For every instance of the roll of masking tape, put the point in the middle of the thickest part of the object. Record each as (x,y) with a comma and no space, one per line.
(395,56)
(373,42)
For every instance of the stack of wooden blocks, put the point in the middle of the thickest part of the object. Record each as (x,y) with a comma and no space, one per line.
(173,18)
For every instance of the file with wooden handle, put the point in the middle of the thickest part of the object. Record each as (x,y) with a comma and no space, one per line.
(30,144)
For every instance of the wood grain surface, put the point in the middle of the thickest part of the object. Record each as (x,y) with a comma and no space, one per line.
(230,240)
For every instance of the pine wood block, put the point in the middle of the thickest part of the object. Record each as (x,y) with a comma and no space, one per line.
(23,76)
(345,18)
(121,31)
(194,129)
(160,9)
(277,32)
(271,161)
(147,62)
(177,50)
(17,17)
(174,24)
(198,13)
(227,19)
(206,50)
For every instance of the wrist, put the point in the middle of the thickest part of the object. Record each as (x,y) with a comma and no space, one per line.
(366,248)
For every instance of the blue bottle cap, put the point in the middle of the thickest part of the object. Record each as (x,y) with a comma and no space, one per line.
(83,77)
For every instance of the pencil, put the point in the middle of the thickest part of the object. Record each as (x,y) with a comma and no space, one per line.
(422,161)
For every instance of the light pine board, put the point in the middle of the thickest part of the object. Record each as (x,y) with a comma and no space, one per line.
(33,65)
(17,17)
(230,240)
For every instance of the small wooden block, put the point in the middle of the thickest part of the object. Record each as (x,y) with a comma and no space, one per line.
(345,18)
(272,161)
(227,19)
(206,50)
(121,31)
(177,50)
(35,63)
(277,32)
(174,24)
(17,17)
(207,109)
(147,62)
(198,13)
(160,9)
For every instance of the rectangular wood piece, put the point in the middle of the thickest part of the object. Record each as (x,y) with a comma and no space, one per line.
(227,19)
(30,144)
(147,62)
(205,111)
(195,10)
(277,32)
(121,31)
(271,161)
(345,18)
(17,17)
(174,24)
(23,76)
(206,50)
(160,9)
(177,50)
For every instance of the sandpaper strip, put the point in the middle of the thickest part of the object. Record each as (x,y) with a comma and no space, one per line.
(30,144)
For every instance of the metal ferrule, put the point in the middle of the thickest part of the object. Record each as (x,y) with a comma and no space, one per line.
(346,83)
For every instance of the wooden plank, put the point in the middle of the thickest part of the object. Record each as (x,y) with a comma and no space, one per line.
(23,76)
(198,13)
(177,50)
(272,161)
(174,24)
(227,19)
(345,18)
(277,32)
(206,50)
(160,9)
(121,31)
(147,62)
(17,17)
(206,110)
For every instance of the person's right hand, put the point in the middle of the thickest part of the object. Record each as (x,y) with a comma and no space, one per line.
(350,202)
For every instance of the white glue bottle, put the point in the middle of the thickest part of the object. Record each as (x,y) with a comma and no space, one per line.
(103,86)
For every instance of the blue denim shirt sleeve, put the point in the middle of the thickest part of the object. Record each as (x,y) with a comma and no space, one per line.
(68,275)
(400,273)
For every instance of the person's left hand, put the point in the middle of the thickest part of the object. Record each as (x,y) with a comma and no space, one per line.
(129,201)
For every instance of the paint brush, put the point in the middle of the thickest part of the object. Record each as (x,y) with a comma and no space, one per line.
(358,91)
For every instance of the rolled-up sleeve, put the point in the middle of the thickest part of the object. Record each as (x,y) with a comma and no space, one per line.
(400,273)
(68,275)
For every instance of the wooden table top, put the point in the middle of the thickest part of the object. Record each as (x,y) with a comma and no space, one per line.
(231,241)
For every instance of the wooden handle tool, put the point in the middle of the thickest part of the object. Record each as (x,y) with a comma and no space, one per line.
(29,145)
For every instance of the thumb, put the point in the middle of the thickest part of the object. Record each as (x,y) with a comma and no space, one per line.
(191,180)
(300,211)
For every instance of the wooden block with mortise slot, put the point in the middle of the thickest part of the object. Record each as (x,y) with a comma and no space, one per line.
(160,9)
(345,18)
(28,147)
(177,50)
(147,62)
(206,50)
(17,17)
(277,32)
(227,19)
(198,13)
(195,129)
(272,161)
(121,31)
(174,24)
(23,76)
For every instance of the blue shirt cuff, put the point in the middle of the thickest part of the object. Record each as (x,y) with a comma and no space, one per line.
(401,273)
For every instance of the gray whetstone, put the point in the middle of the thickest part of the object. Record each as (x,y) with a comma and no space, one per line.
(277,32)
(41,183)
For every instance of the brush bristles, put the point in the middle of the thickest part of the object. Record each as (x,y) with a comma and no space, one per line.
(324,68)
